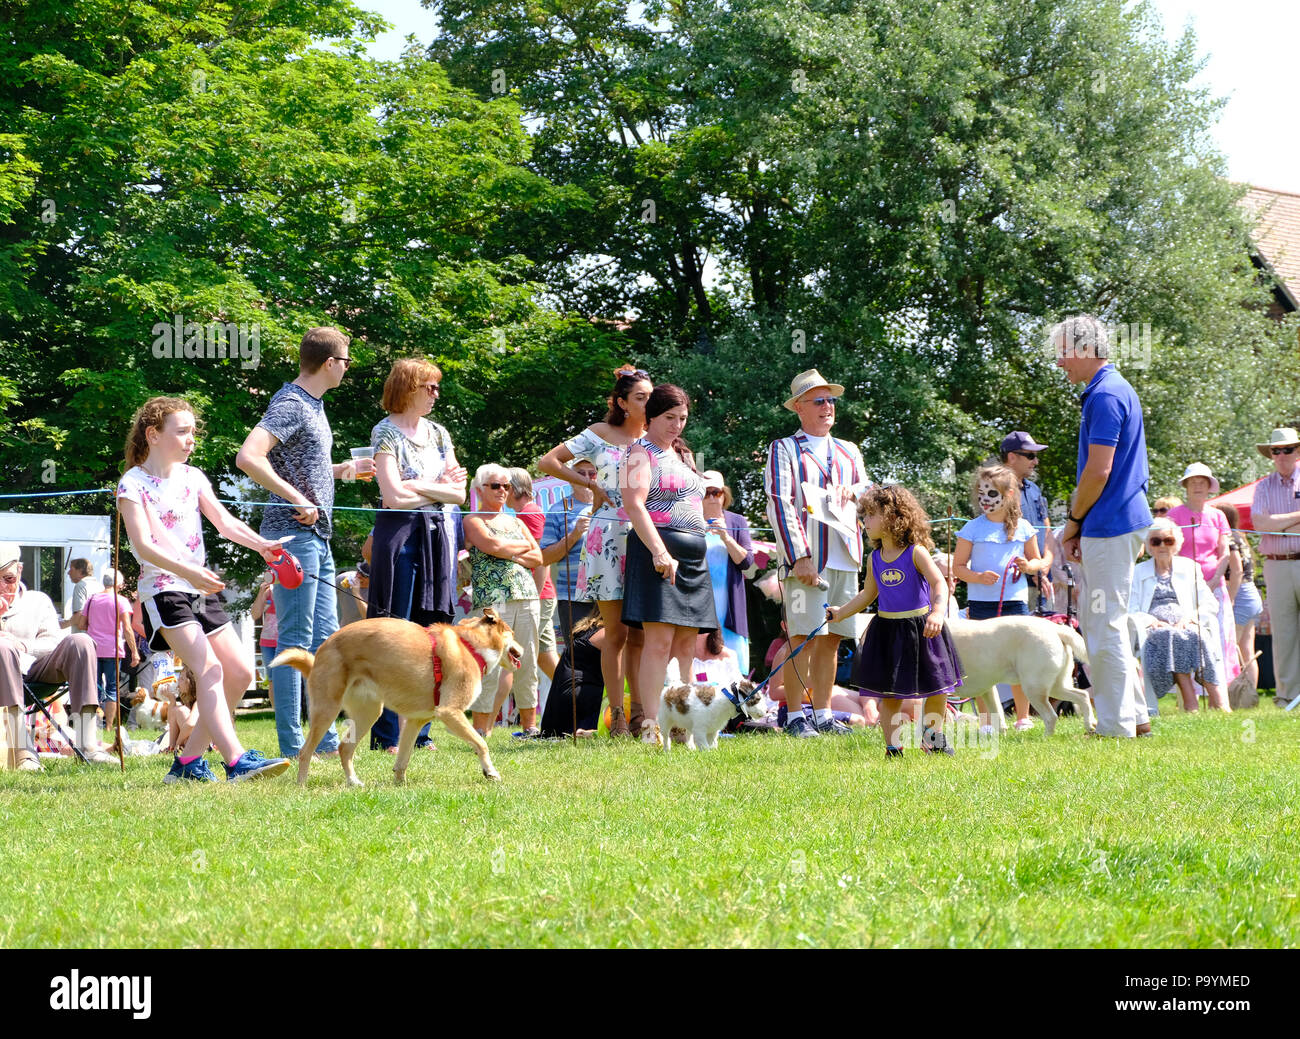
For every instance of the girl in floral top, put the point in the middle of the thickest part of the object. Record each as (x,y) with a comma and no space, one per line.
(502,555)
(160,498)
(604,553)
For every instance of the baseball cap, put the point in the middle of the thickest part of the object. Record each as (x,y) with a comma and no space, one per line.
(1020,441)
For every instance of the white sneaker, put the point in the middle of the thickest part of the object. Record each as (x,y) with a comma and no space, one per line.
(1024,724)
(100,757)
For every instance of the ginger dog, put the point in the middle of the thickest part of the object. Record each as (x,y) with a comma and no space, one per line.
(385,661)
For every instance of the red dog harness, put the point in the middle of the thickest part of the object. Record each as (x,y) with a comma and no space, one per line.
(437,664)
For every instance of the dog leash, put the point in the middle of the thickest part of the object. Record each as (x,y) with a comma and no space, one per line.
(349,591)
(799,649)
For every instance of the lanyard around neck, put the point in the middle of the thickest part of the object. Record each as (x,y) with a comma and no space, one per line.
(830,456)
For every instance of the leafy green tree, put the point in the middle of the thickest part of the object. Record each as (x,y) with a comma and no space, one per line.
(166,167)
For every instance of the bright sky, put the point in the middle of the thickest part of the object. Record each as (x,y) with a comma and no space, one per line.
(1250,45)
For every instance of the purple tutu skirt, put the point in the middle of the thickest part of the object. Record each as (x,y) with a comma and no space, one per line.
(897,661)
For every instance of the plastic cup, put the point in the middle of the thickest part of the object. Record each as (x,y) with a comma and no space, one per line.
(364,457)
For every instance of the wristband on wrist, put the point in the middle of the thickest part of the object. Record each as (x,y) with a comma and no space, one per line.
(1076,520)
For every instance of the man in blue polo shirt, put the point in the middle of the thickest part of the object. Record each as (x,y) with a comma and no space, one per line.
(1108,518)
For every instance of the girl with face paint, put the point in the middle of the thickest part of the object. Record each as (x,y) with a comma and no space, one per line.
(998,540)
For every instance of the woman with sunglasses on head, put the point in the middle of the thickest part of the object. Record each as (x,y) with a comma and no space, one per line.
(605,444)
(413,558)
(1177,617)
(502,556)
(729,554)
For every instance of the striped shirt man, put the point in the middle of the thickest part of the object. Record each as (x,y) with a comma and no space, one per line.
(821,462)
(1274,495)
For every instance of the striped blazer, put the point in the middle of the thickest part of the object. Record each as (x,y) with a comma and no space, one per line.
(790,463)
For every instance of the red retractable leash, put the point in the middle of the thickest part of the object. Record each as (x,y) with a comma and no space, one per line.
(287,569)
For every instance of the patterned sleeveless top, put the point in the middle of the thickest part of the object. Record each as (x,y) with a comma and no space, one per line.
(902,588)
(609,460)
(675,498)
(497,581)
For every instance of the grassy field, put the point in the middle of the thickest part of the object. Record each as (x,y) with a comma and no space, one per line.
(1187,839)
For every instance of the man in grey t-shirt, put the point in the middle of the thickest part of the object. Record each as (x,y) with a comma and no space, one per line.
(288,453)
(82,572)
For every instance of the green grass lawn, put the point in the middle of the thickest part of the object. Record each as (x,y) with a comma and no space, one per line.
(1187,839)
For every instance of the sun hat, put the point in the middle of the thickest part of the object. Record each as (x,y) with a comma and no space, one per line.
(810,380)
(712,478)
(1283,436)
(9,553)
(1200,469)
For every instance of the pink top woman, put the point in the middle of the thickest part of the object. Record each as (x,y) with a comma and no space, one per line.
(1205,530)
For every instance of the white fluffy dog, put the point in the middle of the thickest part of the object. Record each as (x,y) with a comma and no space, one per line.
(1030,652)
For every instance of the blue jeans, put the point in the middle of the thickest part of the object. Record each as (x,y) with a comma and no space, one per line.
(104,680)
(308,616)
(987,609)
(387,728)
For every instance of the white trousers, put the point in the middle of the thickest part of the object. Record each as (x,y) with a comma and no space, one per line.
(1117,692)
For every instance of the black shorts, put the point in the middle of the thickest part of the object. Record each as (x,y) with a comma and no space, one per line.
(175,610)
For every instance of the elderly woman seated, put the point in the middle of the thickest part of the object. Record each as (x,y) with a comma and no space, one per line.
(1176,619)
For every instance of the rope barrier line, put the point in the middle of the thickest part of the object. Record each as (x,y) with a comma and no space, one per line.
(483,512)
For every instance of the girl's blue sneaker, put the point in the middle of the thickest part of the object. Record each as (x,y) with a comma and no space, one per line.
(196,770)
(253,764)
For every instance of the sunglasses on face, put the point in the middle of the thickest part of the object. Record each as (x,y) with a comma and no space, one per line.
(1159,512)
(498,486)
(1157,542)
(432,389)
(1031,455)
(1282,450)
(713,492)
(820,401)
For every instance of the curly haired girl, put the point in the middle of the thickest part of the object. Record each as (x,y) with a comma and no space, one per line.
(907,652)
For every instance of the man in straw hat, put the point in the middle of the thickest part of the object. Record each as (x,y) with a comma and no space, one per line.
(819,563)
(1275,512)
(32,644)
(1108,518)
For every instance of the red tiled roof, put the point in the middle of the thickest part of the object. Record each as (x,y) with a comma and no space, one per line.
(1277,233)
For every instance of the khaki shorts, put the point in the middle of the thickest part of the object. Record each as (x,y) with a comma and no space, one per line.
(522,616)
(805,608)
(546,634)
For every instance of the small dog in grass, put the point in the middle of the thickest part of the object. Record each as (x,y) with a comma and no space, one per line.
(700,711)
(148,713)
